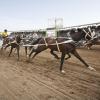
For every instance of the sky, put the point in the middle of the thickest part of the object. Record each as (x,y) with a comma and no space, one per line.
(36,14)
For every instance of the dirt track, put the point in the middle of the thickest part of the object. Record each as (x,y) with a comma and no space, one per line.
(41,79)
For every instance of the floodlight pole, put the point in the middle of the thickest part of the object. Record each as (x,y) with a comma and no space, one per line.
(56,26)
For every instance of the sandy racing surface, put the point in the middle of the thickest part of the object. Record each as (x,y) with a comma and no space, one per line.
(41,79)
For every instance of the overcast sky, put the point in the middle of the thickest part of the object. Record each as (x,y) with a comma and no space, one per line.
(31,14)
